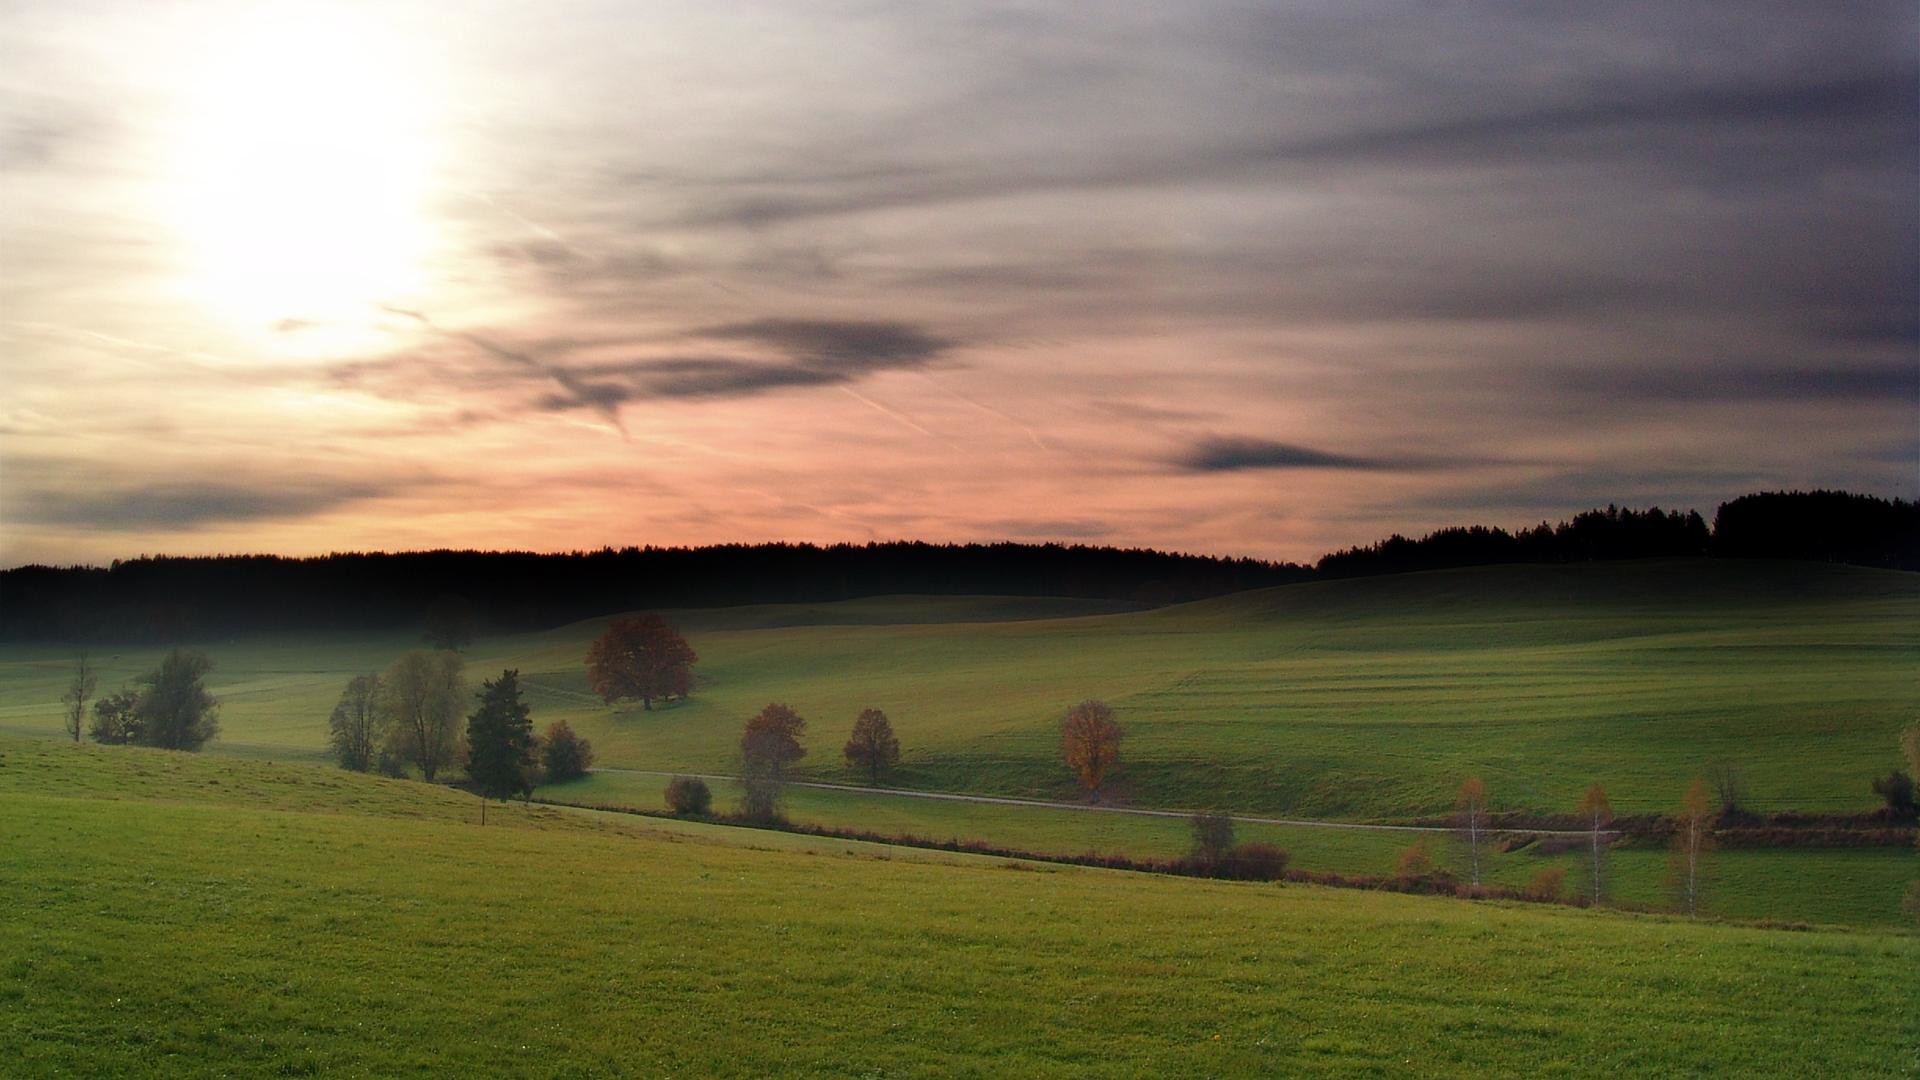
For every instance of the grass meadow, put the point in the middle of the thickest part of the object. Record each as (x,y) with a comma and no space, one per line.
(176,915)
(1365,700)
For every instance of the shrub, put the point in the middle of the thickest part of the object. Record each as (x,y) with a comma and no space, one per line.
(1897,789)
(1414,862)
(1255,860)
(1546,884)
(1212,838)
(390,764)
(115,721)
(567,756)
(688,796)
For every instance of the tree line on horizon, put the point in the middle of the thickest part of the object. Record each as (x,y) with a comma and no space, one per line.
(180,598)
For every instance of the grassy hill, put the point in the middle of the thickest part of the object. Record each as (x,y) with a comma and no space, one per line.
(177,915)
(1366,699)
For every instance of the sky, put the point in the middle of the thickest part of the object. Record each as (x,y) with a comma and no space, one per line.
(1249,279)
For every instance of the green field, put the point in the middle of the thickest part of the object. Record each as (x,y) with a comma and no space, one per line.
(1847,886)
(1361,700)
(174,915)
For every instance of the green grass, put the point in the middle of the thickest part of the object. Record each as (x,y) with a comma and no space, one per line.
(1850,886)
(1364,700)
(174,916)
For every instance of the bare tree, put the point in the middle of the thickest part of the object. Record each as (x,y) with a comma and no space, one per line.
(1729,782)
(356,727)
(1472,818)
(1595,810)
(1090,742)
(421,695)
(1692,835)
(85,681)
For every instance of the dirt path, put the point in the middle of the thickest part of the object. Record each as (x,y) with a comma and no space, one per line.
(1044,804)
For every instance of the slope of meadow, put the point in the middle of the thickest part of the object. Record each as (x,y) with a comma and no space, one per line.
(173,915)
(1366,699)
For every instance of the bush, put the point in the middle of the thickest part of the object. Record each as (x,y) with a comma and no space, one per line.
(115,721)
(1414,862)
(688,796)
(566,756)
(1546,884)
(391,765)
(1897,789)
(1254,860)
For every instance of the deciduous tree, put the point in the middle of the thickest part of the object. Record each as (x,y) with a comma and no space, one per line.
(80,688)
(768,745)
(872,747)
(1090,742)
(421,695)
(566,755)
(502,755)
(1471,816)
(1212,838)
(356,728)
(1692,836)
(174,710)
(641,658)
(1598,814)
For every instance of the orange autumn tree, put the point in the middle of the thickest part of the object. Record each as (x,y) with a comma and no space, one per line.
(641,658)
(1595,809)
(1692,836)
(1090,742)
(1472,804)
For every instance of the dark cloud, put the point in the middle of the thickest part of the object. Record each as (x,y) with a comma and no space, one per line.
(1708,382)
(1233,455)
(186,505)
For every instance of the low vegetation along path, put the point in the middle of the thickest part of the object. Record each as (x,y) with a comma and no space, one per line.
(950,796)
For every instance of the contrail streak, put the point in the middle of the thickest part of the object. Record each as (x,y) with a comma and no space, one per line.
(571,383)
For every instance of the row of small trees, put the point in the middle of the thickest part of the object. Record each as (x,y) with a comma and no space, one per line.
(769,746)
(167,707)
(410,717)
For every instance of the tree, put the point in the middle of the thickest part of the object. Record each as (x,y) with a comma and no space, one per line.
(502,752)
(1729,786)
(641,658)
(1896,788)
(420,699)
(567,756)
(689,796)
(79,689)
(1692,836)
(174,710)
(769,743)
(1090,742)
(1212,838)
(356,727)
(114,720)
(450,622)
(872,746)
(1595,809)
(1471,805)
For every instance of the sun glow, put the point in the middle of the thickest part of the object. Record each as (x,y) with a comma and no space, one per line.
(302,166)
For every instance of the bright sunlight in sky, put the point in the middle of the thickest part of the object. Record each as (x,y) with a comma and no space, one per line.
(301,153)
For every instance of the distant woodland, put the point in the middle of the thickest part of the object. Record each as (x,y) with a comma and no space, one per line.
(170,599)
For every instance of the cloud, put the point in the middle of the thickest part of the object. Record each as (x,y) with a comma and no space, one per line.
(1216,455)
(804,352)
(1707,382)
(186,504)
